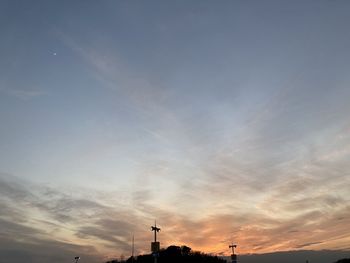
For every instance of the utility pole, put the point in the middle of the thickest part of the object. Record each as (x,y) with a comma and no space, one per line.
(155,246)
(233,256)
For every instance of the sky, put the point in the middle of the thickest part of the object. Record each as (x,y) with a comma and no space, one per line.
(225,121)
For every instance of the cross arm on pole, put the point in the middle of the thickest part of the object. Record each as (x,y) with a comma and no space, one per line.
(233,248)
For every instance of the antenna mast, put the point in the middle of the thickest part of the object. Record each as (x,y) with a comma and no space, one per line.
(155,229)
(155,246)
(132,249)
(233,256)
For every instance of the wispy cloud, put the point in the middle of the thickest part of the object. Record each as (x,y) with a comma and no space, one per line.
(108,67)
(46,215)
(23,94)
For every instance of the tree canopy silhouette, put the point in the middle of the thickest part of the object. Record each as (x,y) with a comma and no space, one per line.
(343,260)
(176,254)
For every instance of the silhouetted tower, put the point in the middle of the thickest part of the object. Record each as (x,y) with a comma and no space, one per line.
(155,246)
(132,249)
(233,256)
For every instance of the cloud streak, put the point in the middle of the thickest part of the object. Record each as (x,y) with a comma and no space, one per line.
(75,224)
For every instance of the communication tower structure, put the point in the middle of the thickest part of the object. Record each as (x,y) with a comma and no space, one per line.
(155,246)
(132,249)
(233,255)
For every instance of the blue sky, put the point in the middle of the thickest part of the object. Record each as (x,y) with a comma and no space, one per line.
(193,113)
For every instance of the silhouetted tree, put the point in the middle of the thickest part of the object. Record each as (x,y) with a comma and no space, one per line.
(185,250)
(343,260)
(172,251)
(145,259)
(176,254)
(129,260)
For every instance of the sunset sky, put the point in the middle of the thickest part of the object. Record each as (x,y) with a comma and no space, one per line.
(225,121)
